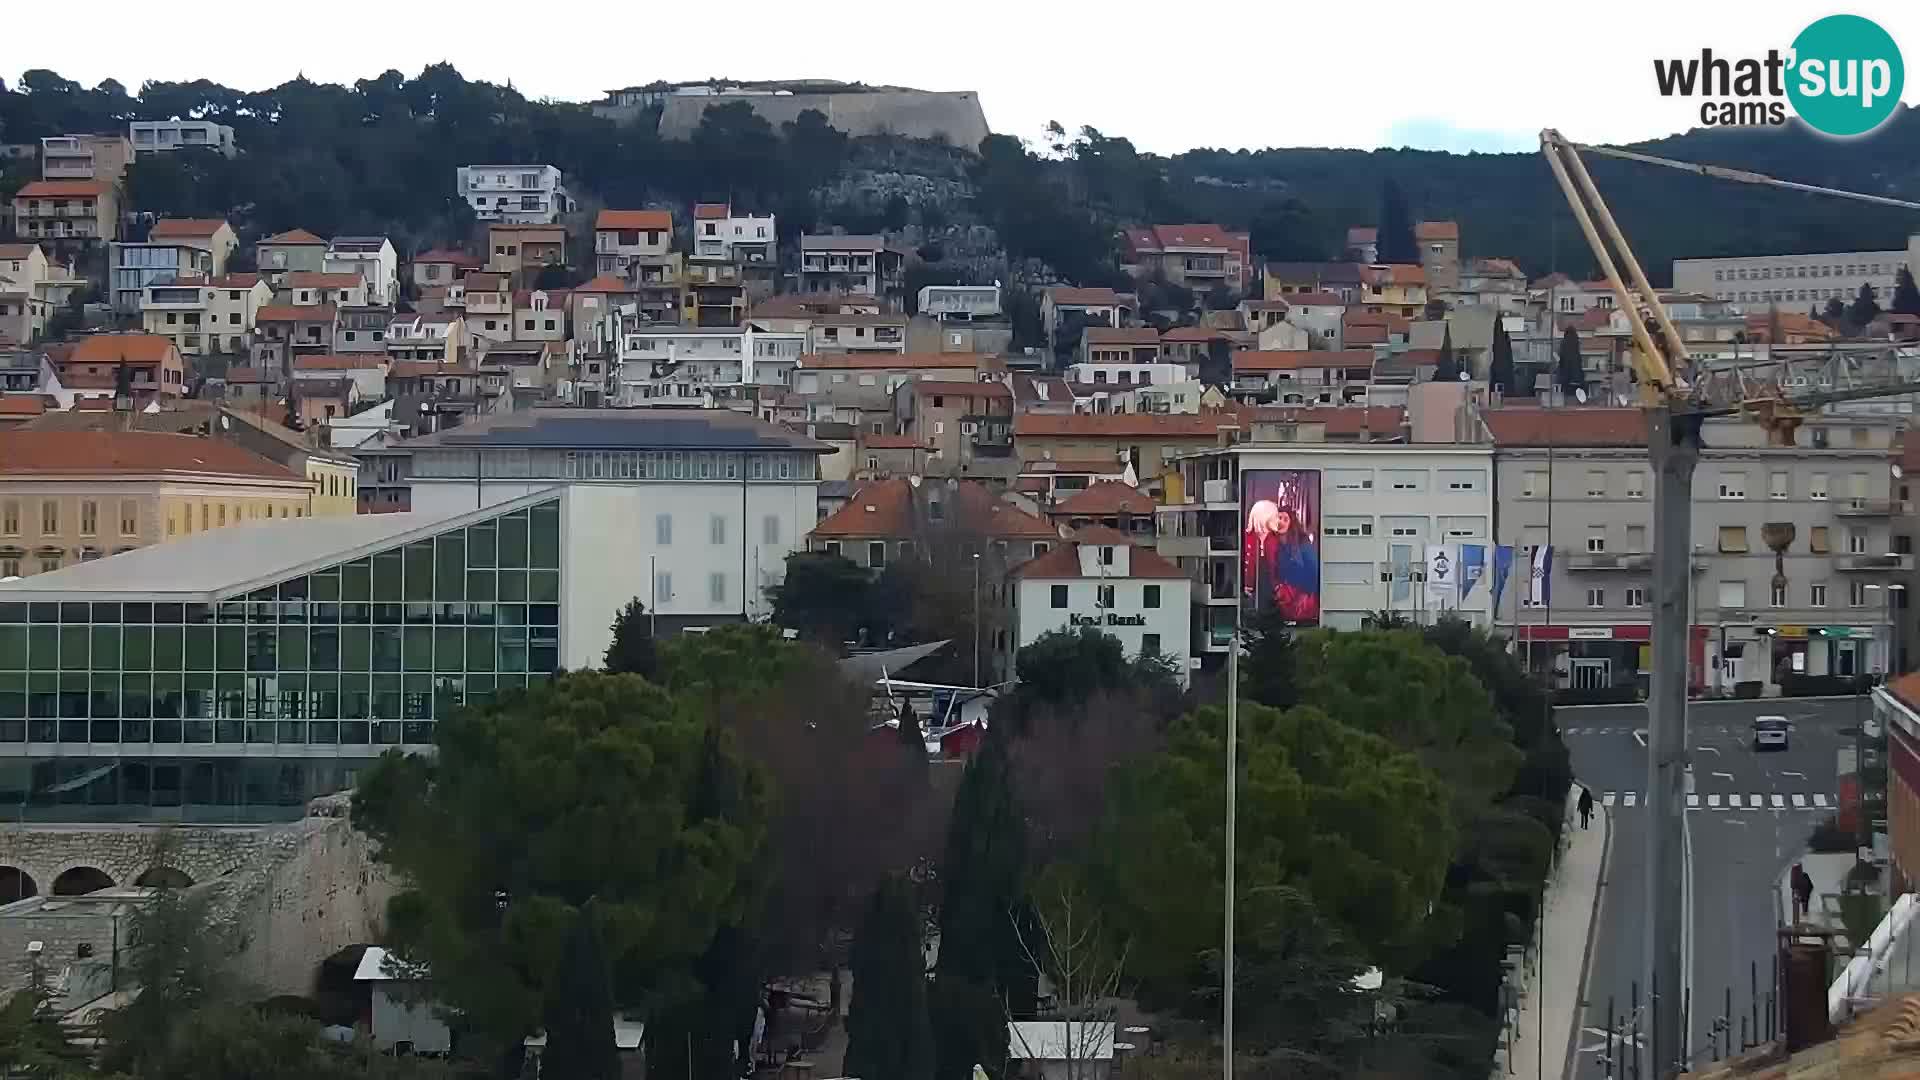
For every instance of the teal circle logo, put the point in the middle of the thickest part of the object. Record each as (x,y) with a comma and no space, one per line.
(1846,75)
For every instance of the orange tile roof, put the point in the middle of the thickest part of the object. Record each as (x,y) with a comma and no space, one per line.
(1193,333)
(1205,425)
(1365,335)
(320,279)
(1359,316)
(22,405)
(1394,274)
(57,189)
(1436,230)
(186,228)
(1298,359)
(890,442)
(18,251)
(1064,561)
(1121,335)
(113,348)
(295,238)
(1571,426)
(111,452)
(1069,296)
(1105,497)
(605,283)
(295,313)
(1315,299)
(709,210)
(634,219)
(886,508)
(333,362)
(235,281)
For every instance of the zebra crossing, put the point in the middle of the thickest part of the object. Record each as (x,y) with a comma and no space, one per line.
(1816,801)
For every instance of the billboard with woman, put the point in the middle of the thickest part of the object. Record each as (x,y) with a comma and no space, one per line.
(1280,544)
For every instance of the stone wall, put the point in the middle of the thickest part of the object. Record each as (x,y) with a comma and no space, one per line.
(918,114)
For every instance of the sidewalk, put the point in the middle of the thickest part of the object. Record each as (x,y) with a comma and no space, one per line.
(1829,873)
(1556,976)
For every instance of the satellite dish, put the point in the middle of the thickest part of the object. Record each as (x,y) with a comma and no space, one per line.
(1898,472)
(1580,396)
(1464,376)
(914,480)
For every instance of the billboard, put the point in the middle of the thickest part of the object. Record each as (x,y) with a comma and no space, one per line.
(1280,544)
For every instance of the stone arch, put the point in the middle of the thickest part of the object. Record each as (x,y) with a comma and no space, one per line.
(16,884)
(81,880)
(164,877)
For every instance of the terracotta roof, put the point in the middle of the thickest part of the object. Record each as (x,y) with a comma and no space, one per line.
(22,405)
(902,361)
(1034,389)
(1193,333)
(18,251)
(556,298)
(295,238)
(1575,426)
(1316,299)
(605,283)
(332,362)
(708,210)
(1204,425)
(1362,234)
(106,452)
(295,313)
(1395,274)
(1494,266)
(247,376)
(1359,316)
(885,508)
(860,318)
(1105,497)
(1063,561)
(235,281)
(317,279)
(1197,235)
(504,226)
(1365,335)
(113,348)
(475,281)
(635,219)
(1436,230)
(1121,335)
(57,189)
(1070,296)
(929,387)
(1297,359)
(890,442)
(186,228)
(1594,318)
(449,255)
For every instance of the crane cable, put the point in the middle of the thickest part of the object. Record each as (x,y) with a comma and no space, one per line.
(1744,176)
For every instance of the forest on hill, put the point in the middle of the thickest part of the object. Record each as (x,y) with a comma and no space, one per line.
(380,155)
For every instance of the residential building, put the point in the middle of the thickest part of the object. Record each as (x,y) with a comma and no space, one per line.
(858,332)
(71,212)
(1305,377)
(1896,706)
(159,136)
(1800,280)
(539,315)
(682,365)
(1197,257)
(488,305)
(1062,305)
(1125,366)
(622,236)
(717,292)
(1192,346)
(23,314)
(1391,288)
(1363,244)
(1144,441)
(518,194)
(252,389)
(850,264)
(1099,579)
(1793,546)
(983,335)
(959,303)
(1109,504)
(441,267)
(315,403)
(1379,506)
(433,396)
(1127,345)
(154,364)
(204,317)
(368,373)
(373,258)
(284,331)
(362,330)
(386,473)
(176,248)
(835,375)
(1439,253)
(85,157)
(967,426)
(522,251)
(341,288)
(749,241)
(436,338)
(660,287)
(295,250)
(68,497)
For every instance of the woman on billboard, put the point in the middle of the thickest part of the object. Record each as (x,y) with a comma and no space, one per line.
(1280,564)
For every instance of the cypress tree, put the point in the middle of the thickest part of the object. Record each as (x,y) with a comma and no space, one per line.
(579,1013)
(1447,369)
(1906,298)
(1500,366)
(1394,238)
(888,1031)
(1573,370)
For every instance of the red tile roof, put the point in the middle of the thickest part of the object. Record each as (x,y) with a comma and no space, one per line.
(1365,335)
(606,283)
(448,255)
(1069,296)
(1298,359)
(113,348)
(1394,274)
(1193,333)
(1121,335)
(891,442)
(333,362)
(58,189)
(317,279)
(22,405)
(186,228)
(235,281)
(295,313)
(709,210)
(887,508)
(1315,299)
(295,238)
(1359,316)
(1205,425)
(1197,235)
(1063,561)
(110,452)
(415,369)
(1362,234)
(641,220)
(18,251)
(1436,230)
(1571,426)
(1105,497)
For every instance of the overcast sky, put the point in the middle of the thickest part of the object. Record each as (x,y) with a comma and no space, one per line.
(1170,76)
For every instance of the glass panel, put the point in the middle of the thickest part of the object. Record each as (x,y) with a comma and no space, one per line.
(386,733)
(136,730)
(323,696)
(230,697)
(230,651)
(106,647)
(447,696)
(356,699)
(543,586)
(13,700)
(419,581)
(356,582)
(293,731)
(13,643)
(482,540)
(75,613)
(263,649)
(43,648)
(104,731)
(386,648)
(355,733)
(104,613)
(169,648)
(137,649)
(323,732)
(136,695)
(356,648)
(513,648)
(386,696)
(543,614)
(449,649)
(260,731)
(168,699)
(105,697)
(326,584)
(480,650)
(513,539)
(73,647)
(386,577)
(479,585)
(513,585)
(449,568)
(419,648)
(544,542)
(325,648)
(293,648)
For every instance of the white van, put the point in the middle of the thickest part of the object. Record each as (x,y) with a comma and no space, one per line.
(1770,732)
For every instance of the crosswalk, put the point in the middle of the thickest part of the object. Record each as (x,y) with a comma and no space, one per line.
(1732,800)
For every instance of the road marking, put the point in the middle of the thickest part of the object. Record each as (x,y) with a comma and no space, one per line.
(1708,749)
(1606,799)
(1753,801)
(1790,772)
(1640,735)
(1819,801)
(1713,801)
(1631,796)
(1727,775)
(1693,802)
(1799,801)
(1779,800)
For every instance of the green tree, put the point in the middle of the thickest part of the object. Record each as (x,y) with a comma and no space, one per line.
(888,1029)
(579,1015)
(174,954)
(580,788)
(1572,374)
(1906,297)
(1864,308)
(631,652)
(1500,365)
(983,886)
(1269,665)
(1288,230)
(1063,666)
(1394,238)
(827,598)
(33,1045)
(1447,368)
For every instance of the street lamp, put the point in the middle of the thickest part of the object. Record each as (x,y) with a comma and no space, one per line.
(976,620)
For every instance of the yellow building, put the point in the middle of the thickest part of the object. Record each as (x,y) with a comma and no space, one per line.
(75,496)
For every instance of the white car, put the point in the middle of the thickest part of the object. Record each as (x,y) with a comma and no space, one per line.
(1770,732)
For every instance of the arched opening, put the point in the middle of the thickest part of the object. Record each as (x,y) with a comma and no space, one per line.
(80,881)
(16,884)
(163,877)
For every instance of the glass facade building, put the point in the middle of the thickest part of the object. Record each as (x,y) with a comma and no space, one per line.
(241,704)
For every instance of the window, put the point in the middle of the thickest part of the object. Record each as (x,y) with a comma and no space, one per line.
(1777,486)
(10,518)
(1463,528)
(1596,541)
(1816,596)
(1817,486)
(129,517)
(1349,526)
(770,529)
(1636,596)
(663,586)
(1059,596)
(1104,596)
(1150,596)
(1596,598)
(1596,484)
(1636,485)
(1817,540)
(1733,539)
(1106,555)
(1637,539)
(1534,485)
(49,517)
(663,529)
(1733,485)
(1150,644)
(832,547)
(1405,480)
(1856,541)
(876,553)
(1352,479)
(717,588)
(1462,479)
(1041,547)
(1733,594)
(717,529)
(1857,593)
(1777,595)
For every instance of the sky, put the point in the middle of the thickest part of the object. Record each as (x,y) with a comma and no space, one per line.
(1229,74)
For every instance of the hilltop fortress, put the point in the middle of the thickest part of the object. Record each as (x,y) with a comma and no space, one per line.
(854,108)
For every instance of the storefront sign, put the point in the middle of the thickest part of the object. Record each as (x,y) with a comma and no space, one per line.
(1590,633)
(1110,619)
(1791,631)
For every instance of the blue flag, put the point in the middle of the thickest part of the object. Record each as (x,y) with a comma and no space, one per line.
(1473,566)
(1502,566)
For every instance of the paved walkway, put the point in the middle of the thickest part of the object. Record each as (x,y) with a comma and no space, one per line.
(1557,977)
(1829,873)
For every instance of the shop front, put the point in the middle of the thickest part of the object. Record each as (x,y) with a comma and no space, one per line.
(1595,658)
(1772,655)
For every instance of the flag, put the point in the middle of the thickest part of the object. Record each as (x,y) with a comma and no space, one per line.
(1443,572)
(1540,580)
(1402,559)
(1502,566)
(1473,566)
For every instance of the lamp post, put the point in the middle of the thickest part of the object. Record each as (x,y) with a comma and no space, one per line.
(976,620)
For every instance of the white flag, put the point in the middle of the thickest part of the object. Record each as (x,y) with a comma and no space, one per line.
(1539,579)
(1443,572)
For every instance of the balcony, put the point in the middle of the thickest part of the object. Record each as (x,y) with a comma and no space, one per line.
(1869,564)
(1865,508)
(1182,547)
(1603,561)
(69,167)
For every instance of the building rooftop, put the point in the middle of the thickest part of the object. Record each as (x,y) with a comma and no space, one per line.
(1105,497)
(849,242)
(1121,335)
(1064,561)
(902,361)
(116,453)
(888,508)
(1297,359)
(659,220)
(1436,230)
(113,348)
(1205,425)
(186,228)
(357,245)
(665,429)
(318,279)
(294,313)
(1579,426)
(295,238)
(41,189)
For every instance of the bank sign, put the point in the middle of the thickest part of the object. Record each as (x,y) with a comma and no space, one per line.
(1842,76)
(1108,619)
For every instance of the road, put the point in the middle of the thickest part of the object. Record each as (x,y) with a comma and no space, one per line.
(1747,821)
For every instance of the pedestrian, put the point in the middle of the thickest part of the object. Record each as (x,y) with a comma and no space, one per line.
(1802,885)
(1586,806)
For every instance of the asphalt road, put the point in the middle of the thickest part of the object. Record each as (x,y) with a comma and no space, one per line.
(1747,821)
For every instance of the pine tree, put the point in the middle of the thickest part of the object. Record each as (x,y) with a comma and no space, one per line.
(1834,313)
(1906,297)
(1864,308)
(888,1030)
(1573,370)
(1394,238)
(1500,367)
(1447,369)
(631,652)
(579,1013)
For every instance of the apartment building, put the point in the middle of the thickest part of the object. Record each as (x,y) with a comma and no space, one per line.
(1125,345)
(176,248)
(1098,578)
(203,316)
(1083,307)
(858,332)
(966,426)
(67,211)
(516,194)
(1439,243)
(440,268)
(863,265)
(1793,547)
(161,136)
(1198,257)
(154,365)
(373,258)
(1304,377)
(1796,279)
(1144,442)
(523,250)
(84,157)
(293,251)
(749,241)
(622,237)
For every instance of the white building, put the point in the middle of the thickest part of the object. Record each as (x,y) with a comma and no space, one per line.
(1375,501)
(1098,579)
(155,136)
(721,233)
(515,194)
(1126,374)
(692,511)
(698,360)
(1799,280)
(373,258)
(960,303)
(401,1014)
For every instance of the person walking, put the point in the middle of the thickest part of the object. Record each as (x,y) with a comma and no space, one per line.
(1802,885)
(1586,806)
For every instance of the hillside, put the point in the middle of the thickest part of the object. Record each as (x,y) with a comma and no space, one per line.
(380,156)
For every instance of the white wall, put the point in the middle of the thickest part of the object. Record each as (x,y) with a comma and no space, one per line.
(1172,620)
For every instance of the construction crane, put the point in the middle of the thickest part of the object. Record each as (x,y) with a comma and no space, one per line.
(1678,396)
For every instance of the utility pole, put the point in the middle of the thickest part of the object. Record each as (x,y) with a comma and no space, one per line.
(1673,443)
